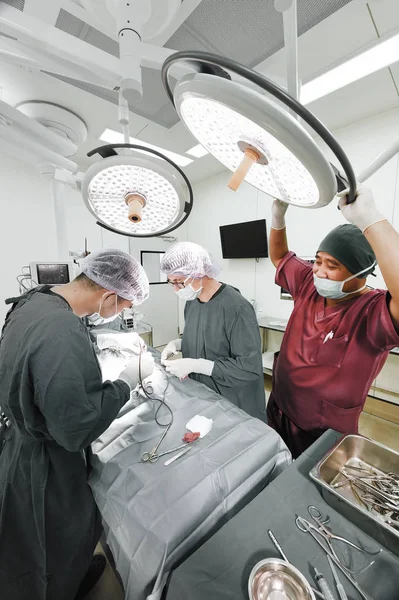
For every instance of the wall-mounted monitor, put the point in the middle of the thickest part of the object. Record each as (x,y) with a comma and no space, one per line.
(244,240)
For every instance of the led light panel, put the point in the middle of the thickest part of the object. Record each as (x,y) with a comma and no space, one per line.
(107,182)
(221,128)
(221,113)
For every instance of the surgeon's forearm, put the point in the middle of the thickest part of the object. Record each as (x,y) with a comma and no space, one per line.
(384,240)
(278,245)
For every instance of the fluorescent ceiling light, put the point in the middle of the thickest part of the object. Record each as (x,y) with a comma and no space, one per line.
(382,55)
(115,137)
(198,151)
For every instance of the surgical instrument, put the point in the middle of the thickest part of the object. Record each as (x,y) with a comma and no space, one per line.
(279,548)
(323,585)
(284,557)
(304,526)
(340,587)
(148,456)
(171,460)
(329,536)
(153,457)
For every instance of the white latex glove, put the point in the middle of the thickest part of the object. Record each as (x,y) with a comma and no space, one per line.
(362,212)
(131,374)
(170,350)
(182,368)
(279,209)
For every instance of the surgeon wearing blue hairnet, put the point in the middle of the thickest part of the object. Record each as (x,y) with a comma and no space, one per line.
(221,342)
(56,404)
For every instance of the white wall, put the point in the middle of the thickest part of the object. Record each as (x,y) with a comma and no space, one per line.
(216,205)
(27,226)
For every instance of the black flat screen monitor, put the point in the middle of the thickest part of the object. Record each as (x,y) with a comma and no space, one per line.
(244,240)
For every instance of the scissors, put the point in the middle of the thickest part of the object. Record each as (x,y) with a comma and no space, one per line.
(323,531)
(150,456)
(153,456)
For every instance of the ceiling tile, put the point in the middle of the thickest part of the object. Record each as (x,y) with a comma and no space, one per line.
(368,96)
(328,43)
(245,30)
(385,14)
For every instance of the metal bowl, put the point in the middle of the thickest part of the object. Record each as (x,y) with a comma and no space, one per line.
(275,579)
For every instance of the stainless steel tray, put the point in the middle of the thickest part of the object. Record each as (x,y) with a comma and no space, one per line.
(350,450)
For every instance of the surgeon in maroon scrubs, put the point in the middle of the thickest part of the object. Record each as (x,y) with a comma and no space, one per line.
(340,331)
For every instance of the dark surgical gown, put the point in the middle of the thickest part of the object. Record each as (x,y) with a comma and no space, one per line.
(52,392)
(225,330)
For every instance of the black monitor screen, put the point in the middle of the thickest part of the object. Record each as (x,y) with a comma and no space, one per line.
(244,240)
(54,274)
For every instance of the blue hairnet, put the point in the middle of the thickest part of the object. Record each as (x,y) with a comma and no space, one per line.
(189,260)
(117,272)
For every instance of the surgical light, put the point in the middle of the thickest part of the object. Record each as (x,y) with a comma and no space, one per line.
(253,136)
(140,194)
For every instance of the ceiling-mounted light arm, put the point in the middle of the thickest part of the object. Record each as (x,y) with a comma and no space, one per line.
(131,17)
(123,117)
(290,22)
(17,52)
(44,47)
(39,132)
(379,162)
(17,138)
(56,44)
(269,86)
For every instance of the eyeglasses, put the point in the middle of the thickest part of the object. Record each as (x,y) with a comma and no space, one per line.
(178,284)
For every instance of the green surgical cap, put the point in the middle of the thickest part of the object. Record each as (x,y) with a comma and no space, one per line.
(348,245)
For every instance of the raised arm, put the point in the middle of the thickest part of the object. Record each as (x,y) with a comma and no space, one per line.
(383,239)
(278,245)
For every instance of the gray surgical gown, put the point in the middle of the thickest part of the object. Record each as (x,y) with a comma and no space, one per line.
(225,330)
(52,392)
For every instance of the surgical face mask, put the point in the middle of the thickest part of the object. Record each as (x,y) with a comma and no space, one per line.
(188,293)
(96,319)
(328,288)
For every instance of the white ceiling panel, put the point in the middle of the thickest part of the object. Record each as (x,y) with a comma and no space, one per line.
(43,9)
(395,75)
(245,30)
(359,100)
(385,14)
(328,43)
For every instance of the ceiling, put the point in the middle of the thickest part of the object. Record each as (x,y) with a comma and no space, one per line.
(250,31)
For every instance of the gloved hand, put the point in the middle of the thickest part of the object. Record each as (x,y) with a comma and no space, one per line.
(362,212)
(170,350)
(279,209)
(182,368)
(131,373)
